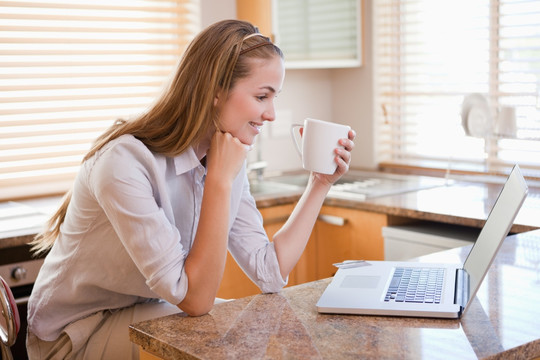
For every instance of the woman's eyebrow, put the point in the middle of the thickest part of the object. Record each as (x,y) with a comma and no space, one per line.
(270,88)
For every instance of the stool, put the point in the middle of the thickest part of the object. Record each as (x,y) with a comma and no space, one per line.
(12,322)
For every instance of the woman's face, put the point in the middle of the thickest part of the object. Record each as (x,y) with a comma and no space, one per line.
(251,101)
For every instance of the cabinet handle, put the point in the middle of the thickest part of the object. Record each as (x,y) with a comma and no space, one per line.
(332,220)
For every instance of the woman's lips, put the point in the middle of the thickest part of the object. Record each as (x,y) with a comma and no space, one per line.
(257,127)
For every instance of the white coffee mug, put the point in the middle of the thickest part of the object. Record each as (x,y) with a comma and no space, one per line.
(319,140)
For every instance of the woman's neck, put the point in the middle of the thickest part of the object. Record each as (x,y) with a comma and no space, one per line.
(201,149)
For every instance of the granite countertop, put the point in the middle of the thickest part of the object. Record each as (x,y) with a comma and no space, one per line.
(461,203)
(501,322)
(21,220)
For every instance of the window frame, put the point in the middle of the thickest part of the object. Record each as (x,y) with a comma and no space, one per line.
(394,126)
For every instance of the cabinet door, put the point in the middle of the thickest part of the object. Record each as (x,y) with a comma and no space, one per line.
(259,13)
(347,234)
(235,283)
(319,34)
(312,33)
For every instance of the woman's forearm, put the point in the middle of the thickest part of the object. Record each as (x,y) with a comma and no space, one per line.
(290,241)
(205,263)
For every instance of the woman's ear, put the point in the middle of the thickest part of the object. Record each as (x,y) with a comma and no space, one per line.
(216,98)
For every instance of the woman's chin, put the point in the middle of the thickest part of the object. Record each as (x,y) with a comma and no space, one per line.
(247,140)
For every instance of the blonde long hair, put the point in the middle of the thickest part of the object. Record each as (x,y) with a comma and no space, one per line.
(185,112)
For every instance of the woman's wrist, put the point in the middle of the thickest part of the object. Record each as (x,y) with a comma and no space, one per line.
(217,182)
(318,184)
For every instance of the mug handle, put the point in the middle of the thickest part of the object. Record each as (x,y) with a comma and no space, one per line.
(294,137)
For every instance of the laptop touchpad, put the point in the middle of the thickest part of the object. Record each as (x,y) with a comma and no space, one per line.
(360,281)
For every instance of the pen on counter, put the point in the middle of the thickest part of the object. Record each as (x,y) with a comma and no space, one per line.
(350,264)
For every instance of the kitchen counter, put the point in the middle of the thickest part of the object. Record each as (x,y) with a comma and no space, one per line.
(21,220)
(459,203)
(501,322)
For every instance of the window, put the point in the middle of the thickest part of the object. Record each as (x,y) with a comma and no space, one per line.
(319,33)
(69,68)
(430,55)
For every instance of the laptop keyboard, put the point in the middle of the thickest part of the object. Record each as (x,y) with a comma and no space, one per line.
(416,285)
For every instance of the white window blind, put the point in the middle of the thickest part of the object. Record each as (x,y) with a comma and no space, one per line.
(319,33)
(430,54)
(68,69)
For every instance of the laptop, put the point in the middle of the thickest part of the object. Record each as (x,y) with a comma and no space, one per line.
(399,288)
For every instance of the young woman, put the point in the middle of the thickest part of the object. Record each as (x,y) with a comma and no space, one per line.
(159,200)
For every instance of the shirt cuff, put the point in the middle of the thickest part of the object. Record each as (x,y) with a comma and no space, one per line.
(269,274)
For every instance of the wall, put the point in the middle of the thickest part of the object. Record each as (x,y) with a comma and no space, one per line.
(340,95)
(353,97)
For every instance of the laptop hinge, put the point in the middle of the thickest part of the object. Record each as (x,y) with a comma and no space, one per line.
(461,293)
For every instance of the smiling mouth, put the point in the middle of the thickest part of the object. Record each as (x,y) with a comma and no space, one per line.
(256,126)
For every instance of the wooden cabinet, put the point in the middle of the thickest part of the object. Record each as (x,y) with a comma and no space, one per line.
(347,234)
(235,283)
(257,12)
(308,42)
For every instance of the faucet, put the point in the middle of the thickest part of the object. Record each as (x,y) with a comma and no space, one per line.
(259,164)
(258,167)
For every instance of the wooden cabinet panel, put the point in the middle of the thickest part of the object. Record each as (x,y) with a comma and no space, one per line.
(306,268)
(257,12)
(359,237)
(235,283)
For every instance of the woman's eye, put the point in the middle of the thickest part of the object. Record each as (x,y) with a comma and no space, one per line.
(262,97)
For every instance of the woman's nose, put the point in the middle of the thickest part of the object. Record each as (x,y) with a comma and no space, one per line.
(269,114)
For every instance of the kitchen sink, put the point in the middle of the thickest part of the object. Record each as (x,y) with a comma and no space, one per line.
(299,180)
(265,187)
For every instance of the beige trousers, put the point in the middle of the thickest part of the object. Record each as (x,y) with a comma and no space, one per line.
(103,335)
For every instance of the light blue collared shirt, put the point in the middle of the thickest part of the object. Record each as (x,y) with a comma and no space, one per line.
(128,230)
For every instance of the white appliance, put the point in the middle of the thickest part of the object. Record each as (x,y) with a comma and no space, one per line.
(405,242)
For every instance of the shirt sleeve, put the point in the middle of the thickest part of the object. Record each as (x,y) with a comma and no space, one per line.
(125,182)
(250,247)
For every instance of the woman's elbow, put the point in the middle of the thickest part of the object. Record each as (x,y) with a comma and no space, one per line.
(197,308)
(199,311)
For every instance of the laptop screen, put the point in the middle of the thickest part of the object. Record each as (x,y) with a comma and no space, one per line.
(495,230)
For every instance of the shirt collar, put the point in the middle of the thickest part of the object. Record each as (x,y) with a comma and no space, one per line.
(186,161)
